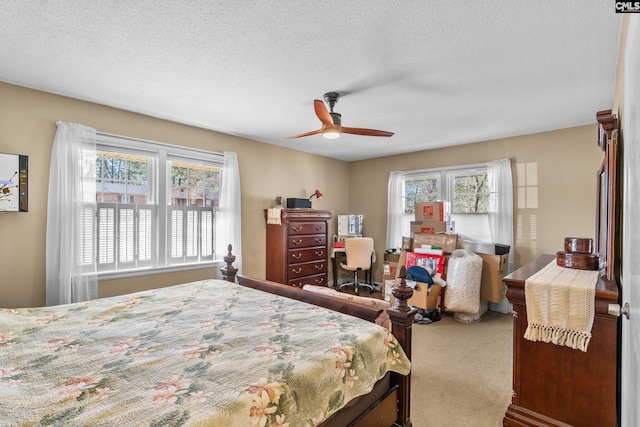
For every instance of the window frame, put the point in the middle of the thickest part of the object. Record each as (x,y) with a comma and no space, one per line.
(446,192)
(162,155)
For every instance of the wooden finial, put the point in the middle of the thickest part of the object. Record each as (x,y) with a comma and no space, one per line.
(229,272)
(402,292)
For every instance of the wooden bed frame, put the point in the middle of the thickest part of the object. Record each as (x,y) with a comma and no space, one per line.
(391,406)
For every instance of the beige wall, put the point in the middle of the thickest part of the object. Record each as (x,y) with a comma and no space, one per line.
(27,126)
(566,162)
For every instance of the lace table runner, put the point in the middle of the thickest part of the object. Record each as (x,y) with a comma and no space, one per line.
(561,306)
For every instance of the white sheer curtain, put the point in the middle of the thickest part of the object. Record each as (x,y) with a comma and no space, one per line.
(72,190)
(501,205)
(229,220)
(395,210)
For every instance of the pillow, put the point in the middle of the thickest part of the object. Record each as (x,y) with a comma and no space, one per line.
(375,303)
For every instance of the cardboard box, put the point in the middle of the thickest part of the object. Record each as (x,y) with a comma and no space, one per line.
(429,211)
(447,242)
(426,260)
(428,227)
(492,288)
(424,297)
(392,261)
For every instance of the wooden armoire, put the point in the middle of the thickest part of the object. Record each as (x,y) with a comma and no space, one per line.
(556,385)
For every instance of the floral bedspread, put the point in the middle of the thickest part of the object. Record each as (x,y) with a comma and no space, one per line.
(208,353)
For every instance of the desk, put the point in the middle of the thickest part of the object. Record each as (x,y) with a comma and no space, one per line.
(337,253)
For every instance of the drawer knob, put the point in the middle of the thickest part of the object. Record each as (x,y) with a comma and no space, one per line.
(319,266)
(297,270)
(319,253)
(296,256)
(297,242)
(319,280)
(297,228)
(319,239)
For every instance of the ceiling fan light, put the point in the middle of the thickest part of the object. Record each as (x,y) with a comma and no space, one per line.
(331,133)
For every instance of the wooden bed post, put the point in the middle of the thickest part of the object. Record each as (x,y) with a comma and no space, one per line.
(229,272)
(401,315)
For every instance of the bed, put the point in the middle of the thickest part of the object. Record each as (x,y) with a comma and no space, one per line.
(207,353)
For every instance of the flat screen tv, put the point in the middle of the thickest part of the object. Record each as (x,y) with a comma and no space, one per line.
(14,171)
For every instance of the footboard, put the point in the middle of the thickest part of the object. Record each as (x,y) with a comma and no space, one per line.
(392,408)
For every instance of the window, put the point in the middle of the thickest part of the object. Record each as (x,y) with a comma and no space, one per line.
(467,190)
(422,188)
(156,206)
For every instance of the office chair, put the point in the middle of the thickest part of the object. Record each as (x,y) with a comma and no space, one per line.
(358,251)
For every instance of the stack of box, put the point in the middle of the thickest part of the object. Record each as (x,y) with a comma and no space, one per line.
(429,218)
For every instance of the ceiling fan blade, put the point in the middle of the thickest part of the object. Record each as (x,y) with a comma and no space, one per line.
(367,132)
(322,113)
(313,132)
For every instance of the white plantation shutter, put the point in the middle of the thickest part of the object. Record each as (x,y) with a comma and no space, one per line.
(191,234)
(126,236)
(106,236)
(146,235)
(176,231)
(207,236)
(86,238)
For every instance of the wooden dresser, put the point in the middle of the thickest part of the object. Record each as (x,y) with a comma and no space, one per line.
(297,249)
(556,385)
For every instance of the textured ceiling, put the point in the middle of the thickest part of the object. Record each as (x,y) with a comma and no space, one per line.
(435,73)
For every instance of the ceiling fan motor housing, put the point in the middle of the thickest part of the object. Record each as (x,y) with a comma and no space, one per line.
(331,98)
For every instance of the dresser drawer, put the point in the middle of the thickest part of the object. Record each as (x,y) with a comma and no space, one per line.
(307,269)
(294,242)
(305,255)
(318,280)
(307,228)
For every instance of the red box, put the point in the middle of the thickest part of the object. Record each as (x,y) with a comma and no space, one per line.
(426,260)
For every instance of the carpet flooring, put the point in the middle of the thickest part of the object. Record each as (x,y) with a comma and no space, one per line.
(461,372)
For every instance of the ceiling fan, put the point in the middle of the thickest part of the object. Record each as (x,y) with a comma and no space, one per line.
(332,122)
